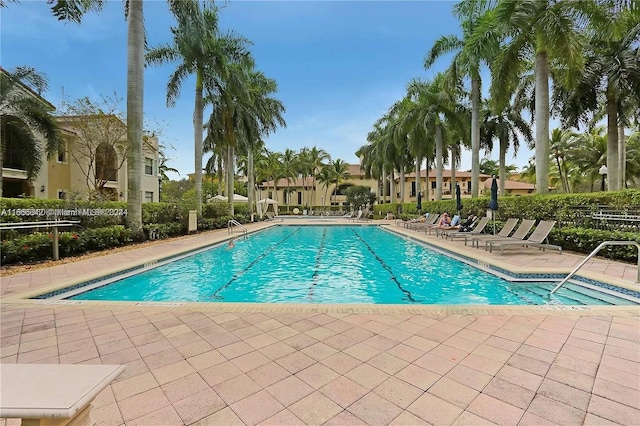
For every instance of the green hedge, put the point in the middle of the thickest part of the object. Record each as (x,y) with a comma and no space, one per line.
(38,246)
(585,240)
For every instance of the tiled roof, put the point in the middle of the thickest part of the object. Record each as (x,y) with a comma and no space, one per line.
(510,184)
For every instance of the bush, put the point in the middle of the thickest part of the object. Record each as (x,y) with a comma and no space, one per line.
(159,231)
(585,240)
(39,245)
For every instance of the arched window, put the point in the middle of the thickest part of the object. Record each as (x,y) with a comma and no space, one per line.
(106,163)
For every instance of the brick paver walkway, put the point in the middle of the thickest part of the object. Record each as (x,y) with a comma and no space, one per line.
(332,364)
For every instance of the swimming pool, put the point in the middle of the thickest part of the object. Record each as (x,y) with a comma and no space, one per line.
(331,264)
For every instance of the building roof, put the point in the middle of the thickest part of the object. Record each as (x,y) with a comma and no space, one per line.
(510,184)
(446,173)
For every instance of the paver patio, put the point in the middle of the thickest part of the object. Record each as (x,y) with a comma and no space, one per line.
(334,364)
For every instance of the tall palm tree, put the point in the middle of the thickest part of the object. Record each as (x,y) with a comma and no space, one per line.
(611,77)
(588,152)
(470,54)
(289,170)
(560,142)
(203,51)
(435,105)
(547,30)
(339,172)
(317,158)
(74,11)
(325,178)
(26,118)
(507,127)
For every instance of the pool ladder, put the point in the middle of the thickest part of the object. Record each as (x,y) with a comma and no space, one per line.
(231,223)
(593,253)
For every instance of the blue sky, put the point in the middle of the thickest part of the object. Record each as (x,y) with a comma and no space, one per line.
(339,64)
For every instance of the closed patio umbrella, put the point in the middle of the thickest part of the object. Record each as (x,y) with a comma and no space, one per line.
(493,203)
(419,201)
(458,199)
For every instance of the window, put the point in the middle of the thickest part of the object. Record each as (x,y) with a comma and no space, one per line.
(62,153)
(433,185)
(413,189)
(299,198)
(106,163)
(148,197)
(61,194)
(148,166)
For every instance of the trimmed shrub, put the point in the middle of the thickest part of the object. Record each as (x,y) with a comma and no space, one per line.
(38,246)
(585,240)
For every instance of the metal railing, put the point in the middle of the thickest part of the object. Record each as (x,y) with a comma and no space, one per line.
(53,224)
(593,253)
(231,223)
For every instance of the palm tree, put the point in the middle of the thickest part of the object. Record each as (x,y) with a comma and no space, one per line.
(74,11)
(544,29)
(289,171)
(588,152)
(560,142)
(611,77)
(317,158)
(339,172)
(470,54)
(26,118)
(325,178)
(434,105)
(203,51)
(507,127)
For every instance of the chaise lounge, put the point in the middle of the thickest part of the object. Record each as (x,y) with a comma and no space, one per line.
(536,239)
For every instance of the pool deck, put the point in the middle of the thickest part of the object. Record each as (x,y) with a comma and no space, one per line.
(289,364)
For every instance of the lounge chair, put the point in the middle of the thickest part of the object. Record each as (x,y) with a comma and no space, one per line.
(433,218)
(476,230)
(519,235)
(536,239)
(504,232)
(364,217)
(436,226)
(357,217)
(406,223)
(347,215)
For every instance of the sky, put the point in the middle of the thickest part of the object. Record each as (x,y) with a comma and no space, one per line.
(339,65)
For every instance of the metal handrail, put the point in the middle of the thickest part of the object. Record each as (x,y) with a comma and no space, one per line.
(593,253)
(231,223)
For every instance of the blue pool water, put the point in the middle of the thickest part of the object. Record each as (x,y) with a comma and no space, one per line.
(332,264)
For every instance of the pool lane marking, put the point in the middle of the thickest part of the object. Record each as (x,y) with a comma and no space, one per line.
(385,266)
(314,277)
(262,256)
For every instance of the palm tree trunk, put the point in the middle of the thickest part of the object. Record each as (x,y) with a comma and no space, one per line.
(197,140)
(542,122)
(384,186)
(503,165)
(392,187)
(438,162)
(612,141)
(475,136)
(220,174)
(230,177)
(418,180)
(453,171)
(135,98)
(402,183)
(622,157)
(252,180)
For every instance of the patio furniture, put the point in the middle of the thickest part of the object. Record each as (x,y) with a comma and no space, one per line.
(519,235)
(536,239)
(52,394)
(504,232)
(477,230)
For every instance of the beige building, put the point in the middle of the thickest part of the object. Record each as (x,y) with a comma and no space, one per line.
(301,192)
(93,157)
